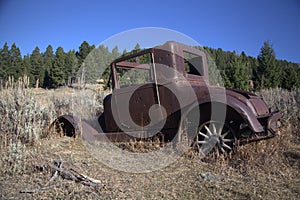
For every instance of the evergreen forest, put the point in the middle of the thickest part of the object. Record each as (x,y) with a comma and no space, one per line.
(55,68)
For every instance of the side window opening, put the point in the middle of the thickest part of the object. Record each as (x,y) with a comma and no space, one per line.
(193,64)
(135,71)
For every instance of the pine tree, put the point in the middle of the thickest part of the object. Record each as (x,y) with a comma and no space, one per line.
(5,62)
(36,63)
(290,77)
(57,72)
(84,51)
(247,60)
(115,53)
(48,57)
(268,71)
(220,59)
(124,52)
(216,76)
(96,63)
(137,47)
(238,75)
(15,69)
(71,63)
(26,66)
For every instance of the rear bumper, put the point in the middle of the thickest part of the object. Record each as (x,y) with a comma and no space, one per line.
(273,118)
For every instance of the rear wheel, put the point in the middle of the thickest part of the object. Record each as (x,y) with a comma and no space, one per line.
(214,137)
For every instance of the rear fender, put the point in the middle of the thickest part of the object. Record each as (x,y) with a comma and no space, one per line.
(68,124)
(71,124)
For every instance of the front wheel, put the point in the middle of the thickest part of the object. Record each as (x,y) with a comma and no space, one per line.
(214,137)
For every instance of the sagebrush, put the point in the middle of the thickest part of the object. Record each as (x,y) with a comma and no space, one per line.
(26,115)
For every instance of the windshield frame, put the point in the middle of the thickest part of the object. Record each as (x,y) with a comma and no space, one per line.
(122,63)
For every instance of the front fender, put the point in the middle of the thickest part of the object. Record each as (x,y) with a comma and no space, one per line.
(246,113)
(239,107)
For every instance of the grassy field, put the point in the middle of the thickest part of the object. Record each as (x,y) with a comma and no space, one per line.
(263,170)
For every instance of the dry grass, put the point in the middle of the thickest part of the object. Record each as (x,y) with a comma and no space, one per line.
(288,102)
(263,170)
(247,176)
(26,115)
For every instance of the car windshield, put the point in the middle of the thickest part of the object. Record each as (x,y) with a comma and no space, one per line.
(135,71)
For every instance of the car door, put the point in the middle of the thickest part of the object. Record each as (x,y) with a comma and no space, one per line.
(136,98)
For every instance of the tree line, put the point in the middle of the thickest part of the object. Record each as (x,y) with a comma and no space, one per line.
(51,69)
(249,73)
(47,69)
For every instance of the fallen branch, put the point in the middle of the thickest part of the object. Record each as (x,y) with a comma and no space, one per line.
(87,177)
(65,175)
(93,184)
(59,164)
(78,178)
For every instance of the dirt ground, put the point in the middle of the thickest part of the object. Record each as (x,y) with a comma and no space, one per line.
(187,178)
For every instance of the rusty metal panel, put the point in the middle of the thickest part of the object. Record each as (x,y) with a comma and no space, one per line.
(140,102)
(260,106)
(274,117)
(110,121)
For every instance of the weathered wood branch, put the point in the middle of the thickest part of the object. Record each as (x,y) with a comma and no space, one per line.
(88,178)
(78,178)
(55,174)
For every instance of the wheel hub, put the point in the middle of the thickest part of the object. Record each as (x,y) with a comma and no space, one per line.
(214,134)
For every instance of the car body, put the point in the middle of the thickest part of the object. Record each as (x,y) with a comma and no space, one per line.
(166,88)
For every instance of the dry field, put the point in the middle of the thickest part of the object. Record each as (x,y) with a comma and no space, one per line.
(30,152)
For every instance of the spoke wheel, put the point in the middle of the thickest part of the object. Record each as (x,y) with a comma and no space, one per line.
(215,138)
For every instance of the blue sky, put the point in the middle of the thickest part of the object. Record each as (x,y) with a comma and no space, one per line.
(231,25)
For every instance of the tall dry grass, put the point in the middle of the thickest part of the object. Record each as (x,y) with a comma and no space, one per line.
(274,161)
(24,121)
(288,102)
(26,115)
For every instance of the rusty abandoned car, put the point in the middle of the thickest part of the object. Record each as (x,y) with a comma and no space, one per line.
(166,90)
